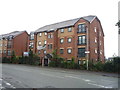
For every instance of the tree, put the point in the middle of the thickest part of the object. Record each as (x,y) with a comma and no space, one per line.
(118,24)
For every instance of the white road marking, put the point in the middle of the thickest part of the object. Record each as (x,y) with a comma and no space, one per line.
(0,84)
(8,84)
(0,79)
(97,85)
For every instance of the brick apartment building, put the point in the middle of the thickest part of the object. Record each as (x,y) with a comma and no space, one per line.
(16,41)
(81,38)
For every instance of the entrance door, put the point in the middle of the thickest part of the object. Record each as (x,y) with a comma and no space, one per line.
(45,62)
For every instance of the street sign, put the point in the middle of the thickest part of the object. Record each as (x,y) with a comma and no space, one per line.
(87,51)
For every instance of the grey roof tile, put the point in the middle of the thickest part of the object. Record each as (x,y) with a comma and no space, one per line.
(63,24)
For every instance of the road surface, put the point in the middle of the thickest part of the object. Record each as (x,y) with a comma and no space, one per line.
(25,76)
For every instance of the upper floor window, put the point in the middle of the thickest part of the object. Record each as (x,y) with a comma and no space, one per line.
(81,52)
(69,40)
(4,51)
(95,29)
(95,50)
(81,28)
(100,42)
(69,51)
(40,34)
(39,43)
(50,46)
(45,33)
(100,33)
(45,42)
(0,45)
(61,30)
(45,52)
(50,36)
(31,36)
(9,53)
(82,39)
(39,52)
(69,29)
(61,51)
(31,45)
(0,51)
(95,40)
(61,40)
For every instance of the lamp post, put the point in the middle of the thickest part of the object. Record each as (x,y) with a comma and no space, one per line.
(87,49)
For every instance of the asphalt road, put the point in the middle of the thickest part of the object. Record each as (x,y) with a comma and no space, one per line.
(22,76)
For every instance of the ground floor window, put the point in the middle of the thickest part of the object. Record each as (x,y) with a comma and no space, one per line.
(81,52)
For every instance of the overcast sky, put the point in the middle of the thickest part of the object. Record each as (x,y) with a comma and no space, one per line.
(30,15)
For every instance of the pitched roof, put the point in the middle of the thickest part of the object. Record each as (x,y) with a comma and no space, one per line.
(14,34)
(63,24)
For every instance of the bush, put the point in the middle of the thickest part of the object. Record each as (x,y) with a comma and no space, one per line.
(98,66)
(6,60)
(52,64)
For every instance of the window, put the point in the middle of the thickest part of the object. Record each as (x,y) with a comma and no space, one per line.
(45,52)
(9,44)
(95,29)
(100,51)
(100,33)
(81,40)
(61,30)
(39,52)
(50,46)
(95,40)
(1,45)
(39,43)
(100,43)
(31,45)
(9,52)
(69,40)
(0,51)
(69,29)
(69,51)
(50,36)
(79,62)
(40,34)
(61,40)
(81,28)
(4,51)
(45,42)
(61,51)
(81,52)
(31,36)
(45,33)
(95,50)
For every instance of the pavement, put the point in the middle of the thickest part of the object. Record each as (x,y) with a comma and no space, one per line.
(26,76)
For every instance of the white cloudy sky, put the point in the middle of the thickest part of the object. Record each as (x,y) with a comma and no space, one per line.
(32,14)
